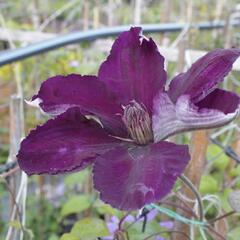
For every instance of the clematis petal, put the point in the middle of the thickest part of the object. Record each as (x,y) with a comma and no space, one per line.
(204,75)
(66,143)
(129,178)
(217,109)
(134,70)
(59,93)
(222,100)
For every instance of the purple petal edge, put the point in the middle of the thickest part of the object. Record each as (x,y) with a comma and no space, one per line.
(67,143)
(204,75)
(169,118)
(59,93)
(134,70)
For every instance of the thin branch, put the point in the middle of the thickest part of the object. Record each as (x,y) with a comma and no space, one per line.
(57,13)
(10,172)
(15,203)
(222,216)
(228,150)
(7,167)
(122,220)
(21,194)
(211,229)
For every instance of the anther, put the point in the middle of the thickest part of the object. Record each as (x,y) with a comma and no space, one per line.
(138,123)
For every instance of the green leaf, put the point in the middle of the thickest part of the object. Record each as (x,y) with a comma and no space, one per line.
(218,176)
(135,232)
(69,236)
(235,172)
(90,228)
(221,161)
(213,151)
(103,208)
(76,204)
(53,237)
(76,178)
(208,185)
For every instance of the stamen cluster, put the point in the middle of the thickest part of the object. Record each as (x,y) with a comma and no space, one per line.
(138,122)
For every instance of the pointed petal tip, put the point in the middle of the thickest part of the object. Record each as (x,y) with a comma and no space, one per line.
(59,93)
(204,75)
(135,29)
(134,69)
(35,102)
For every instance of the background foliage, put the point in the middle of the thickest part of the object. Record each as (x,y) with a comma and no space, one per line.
(66,207)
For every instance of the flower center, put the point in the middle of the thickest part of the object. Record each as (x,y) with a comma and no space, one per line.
(138,123)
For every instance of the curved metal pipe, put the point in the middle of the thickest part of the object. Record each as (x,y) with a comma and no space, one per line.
(90,35)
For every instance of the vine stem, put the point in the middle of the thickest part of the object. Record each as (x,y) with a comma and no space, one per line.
(193,172)
(196,193)
(122,220)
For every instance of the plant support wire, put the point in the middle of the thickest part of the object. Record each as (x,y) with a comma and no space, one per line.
(10,56)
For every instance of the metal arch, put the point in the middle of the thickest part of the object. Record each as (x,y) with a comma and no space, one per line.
(10,56)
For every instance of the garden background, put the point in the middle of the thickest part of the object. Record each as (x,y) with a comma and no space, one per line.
(66,206)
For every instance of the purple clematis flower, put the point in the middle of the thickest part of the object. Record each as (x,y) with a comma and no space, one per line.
(132,165)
